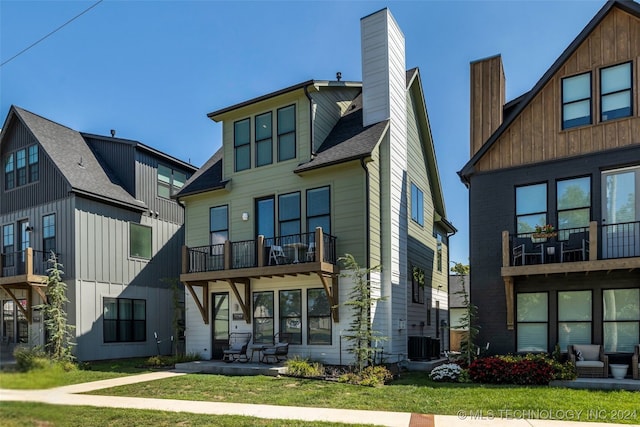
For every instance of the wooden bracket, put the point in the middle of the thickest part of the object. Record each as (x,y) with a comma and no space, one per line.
(203,305)
(25,311)
(245,303)
(332,295)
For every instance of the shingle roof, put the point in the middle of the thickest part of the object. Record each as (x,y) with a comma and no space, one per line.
(74,159)
(208,177)
(516,106)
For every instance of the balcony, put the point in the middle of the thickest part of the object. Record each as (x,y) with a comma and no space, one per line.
(24,270)
(239,262)
(599,247)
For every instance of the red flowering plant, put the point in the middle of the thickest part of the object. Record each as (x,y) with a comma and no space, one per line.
(522,370)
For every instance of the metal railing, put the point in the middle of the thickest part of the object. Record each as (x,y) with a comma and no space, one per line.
(620,240)
(15,263)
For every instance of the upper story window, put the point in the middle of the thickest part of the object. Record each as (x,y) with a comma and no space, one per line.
(573,204)
(417,204)
(242,144)
(286,133)
(264,140)
(48,234)
(531,207)
(576,101)
(319,209)
(169,181)
(615,92)
(21,167)
(7,245)
(289,214)
(139,241)
(218,225)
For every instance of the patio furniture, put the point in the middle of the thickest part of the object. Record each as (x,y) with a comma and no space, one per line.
(279,351)
(311,252)
(238,344)
(277,255)
(589,360)
(576,248)
(635,363)
(525,252)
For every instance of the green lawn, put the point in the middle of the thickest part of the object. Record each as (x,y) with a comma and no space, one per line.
(56,377)
(18,414)
(414,392)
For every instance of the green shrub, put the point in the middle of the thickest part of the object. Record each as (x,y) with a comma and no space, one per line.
(31,358)
(371,376)
(299,367)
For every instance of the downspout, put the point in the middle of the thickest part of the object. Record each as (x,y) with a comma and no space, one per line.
(312,152)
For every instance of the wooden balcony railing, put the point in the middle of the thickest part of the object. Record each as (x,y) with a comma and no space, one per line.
(28,262)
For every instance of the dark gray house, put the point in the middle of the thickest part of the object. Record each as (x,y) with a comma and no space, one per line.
(103,204)
(554,195)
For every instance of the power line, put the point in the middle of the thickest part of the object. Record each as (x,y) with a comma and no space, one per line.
(51,33)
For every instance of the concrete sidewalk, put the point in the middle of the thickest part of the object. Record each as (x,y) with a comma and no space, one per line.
(67,395)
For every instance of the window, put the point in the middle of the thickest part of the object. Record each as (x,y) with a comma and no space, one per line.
(9,175)
(532,318)
(218,225)
(573,204)
(319,209)
(576,101)
(263,317)
(21,167)
(574,318)
(48,235)
(124,320)
(417,204)
(264,141)
(7,245)
(170,181)
(139,241)
(287,133)
(417,284)
(291,315)
(34,171)
(318,317)
(621,319)
(615,92)
(531,207)
(265,217)
(242,144)
(439,251)
(289,214)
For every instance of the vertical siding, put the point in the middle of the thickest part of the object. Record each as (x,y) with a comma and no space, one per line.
(51,185)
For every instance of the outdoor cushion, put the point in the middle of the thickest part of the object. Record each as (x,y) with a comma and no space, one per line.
(590,364)
(579,356)
(589,351)
(236,346)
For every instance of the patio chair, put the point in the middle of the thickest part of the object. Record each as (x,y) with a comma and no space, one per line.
(238,344)
(589,360)
(576,248)
(277,255)
(279,351)
(635,363)
(524,249)
(311,252)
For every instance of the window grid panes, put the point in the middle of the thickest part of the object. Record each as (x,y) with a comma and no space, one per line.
(242,144)
(170,181)
(9,172)
(319,209)
(532,316)
(531,207)
(574,318)
(48,235)
(21,167)
(264,141)
(263,317)
(615,92)
(291,315)
(318,317)
(621,319)
(289,214)
(574,204)
(139,241)
(218,225)
(34,172)
(417,289)
(7,245)
(286,133)
(417,204)
(576,101)
(124,320)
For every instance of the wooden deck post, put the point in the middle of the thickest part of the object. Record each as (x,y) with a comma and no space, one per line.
(508,291)
(227,255)
(260,249)
(593,241)
(185,259)
(319,245)
(28,262)
(506,259)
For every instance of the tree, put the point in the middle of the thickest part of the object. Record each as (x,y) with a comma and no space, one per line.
(59,332)
(360,332)
(467,321)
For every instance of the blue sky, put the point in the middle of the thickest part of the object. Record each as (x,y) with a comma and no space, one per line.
(152,70)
